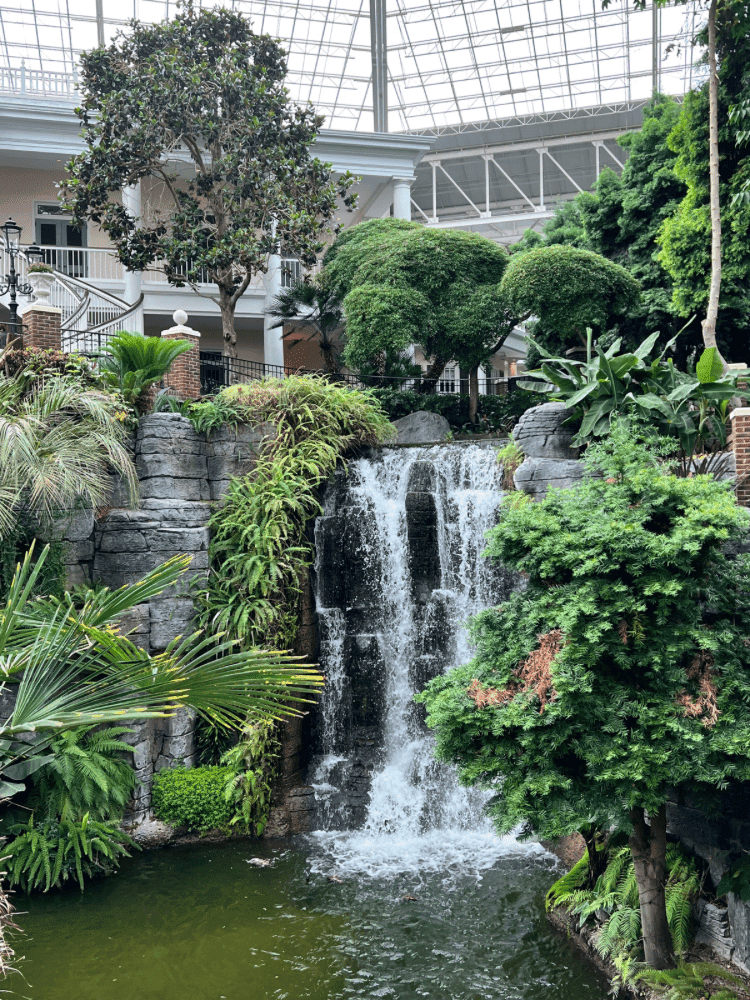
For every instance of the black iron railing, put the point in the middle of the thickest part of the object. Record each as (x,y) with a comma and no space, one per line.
(218,371)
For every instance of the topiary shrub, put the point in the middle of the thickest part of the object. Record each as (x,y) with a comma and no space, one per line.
(193,797)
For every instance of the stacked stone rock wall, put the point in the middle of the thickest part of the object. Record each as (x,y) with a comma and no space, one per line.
(179,472)
(549,458)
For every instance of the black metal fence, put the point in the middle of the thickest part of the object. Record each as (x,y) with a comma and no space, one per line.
(218,371)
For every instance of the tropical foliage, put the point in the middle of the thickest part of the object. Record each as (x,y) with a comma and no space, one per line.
(134,363)
(234,794)
(602,684)
(691,409)
(613,902)
(310,307)
(71,667)
(248,790)
(192,797)
(59,442)
(258,548)
(48,853)
(207,87)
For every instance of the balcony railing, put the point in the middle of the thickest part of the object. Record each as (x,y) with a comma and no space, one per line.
(96,264)
(38,83)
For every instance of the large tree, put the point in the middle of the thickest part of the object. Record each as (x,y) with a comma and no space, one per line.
(606,681)
(402,283)
(197,109)
(568,290)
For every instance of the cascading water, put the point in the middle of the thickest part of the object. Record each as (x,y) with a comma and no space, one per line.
(399,571)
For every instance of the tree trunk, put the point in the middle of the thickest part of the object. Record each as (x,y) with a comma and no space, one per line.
(228,331)
(596,846)
(473,393)
(433,373)
(649,848)
(712,311)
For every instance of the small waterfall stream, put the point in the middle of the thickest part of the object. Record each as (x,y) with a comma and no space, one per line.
(399,571)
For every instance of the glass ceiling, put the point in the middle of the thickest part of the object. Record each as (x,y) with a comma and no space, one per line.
(451,63)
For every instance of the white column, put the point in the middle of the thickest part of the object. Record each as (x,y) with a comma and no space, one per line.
(273,344)
(401,198)
(131,200)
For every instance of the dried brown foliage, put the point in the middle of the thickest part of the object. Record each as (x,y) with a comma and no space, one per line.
(532,675)
(6,924)
(704,706)
(622,630)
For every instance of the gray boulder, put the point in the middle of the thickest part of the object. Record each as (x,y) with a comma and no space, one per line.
(535,475)
(421,428)
(539,432)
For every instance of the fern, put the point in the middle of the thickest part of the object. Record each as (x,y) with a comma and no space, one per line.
(688,981)
(48,854)
(87,775)
(561,892)
(616,893)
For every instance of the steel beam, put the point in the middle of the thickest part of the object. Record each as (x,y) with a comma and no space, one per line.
(379,53)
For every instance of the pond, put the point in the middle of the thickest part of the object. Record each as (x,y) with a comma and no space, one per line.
(203,923)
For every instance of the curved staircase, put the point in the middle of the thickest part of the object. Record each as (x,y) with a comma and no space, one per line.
(90,315)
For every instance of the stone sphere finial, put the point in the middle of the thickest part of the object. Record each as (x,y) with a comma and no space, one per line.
(180,317)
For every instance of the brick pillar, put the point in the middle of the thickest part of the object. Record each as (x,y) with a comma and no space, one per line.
(739,442)
(41,327)
(185,374)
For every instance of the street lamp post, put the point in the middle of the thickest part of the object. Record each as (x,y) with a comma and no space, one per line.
(11,282)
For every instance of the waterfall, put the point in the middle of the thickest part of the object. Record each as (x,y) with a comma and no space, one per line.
(399,570)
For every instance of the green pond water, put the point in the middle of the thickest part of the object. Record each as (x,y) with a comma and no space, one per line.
(201,923)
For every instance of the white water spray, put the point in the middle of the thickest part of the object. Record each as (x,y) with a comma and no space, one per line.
(418,816)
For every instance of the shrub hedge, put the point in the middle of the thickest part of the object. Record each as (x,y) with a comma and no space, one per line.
(193,797)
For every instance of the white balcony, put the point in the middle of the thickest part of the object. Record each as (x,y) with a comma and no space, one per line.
(101,269)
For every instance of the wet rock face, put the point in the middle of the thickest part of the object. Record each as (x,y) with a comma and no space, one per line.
(398,570)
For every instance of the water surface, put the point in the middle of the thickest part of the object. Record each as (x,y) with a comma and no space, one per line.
(201,923)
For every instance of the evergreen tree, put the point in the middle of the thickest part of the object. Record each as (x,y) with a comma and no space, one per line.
(605,682)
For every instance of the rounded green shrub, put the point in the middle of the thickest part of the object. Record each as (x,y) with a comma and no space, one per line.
(193,797)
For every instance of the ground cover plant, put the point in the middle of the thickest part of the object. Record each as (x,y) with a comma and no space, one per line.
(606,680)
(258,547)
(234,794)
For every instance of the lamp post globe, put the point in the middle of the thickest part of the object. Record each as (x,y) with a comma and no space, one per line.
(11,283)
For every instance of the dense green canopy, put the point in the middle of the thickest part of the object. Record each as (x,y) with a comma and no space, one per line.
(402,283)
(568,289)
(206,89)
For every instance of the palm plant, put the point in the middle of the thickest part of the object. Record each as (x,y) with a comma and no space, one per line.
(74,668)
(59,443)
(311,307)
(134,362)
